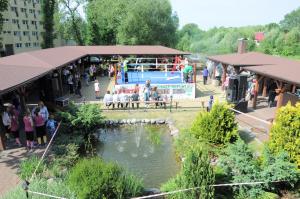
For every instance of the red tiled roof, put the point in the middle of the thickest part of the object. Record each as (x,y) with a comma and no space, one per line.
(24,67)
(271,66)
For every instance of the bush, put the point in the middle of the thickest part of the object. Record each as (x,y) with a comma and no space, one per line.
(285,132)
(240,164)
(28,166)
(217,126)
(196,172)
(95,179)
(55,187)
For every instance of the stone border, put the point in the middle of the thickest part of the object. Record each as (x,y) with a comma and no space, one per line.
(173,130)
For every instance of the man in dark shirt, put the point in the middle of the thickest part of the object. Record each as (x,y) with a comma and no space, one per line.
(135,99)
(205,75)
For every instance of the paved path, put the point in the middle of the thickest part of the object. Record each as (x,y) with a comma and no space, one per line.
(9,165)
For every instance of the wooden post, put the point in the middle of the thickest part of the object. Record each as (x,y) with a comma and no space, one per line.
(224,75)
(280,92)
(61,89)
(265,92)
(195,73)
(256,89)
(294,88)
(115,73)
(2,131)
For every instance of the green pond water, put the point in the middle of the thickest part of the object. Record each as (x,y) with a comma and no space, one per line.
(144,150)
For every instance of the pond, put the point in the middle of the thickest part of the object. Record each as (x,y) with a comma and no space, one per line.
(144,150)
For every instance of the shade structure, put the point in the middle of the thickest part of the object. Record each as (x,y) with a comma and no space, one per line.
(22,68)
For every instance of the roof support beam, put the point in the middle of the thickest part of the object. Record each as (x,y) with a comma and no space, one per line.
(256,89)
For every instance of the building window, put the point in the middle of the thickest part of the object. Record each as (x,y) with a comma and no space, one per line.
(15,21)
(23,9)
(18,45)
(5,20)
(17,33)
(25,22)
(14,9)
(27,45)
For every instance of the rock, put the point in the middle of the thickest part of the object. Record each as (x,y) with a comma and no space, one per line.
(147,121)
(50,180)
(151,191)
(160,121)
(124,121)
(175,132)
(153,121)
(128,122)
(133,121)
(138,121)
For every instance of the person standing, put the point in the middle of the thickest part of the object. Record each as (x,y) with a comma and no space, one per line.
(78,88)
(40,127)
(6,119)
(15,125)
(86,77)
(126,71)
(43,111)
(28,125)
(51,126)
(97,89)
(205,75)
(71,83)
(147,92)
(210,103)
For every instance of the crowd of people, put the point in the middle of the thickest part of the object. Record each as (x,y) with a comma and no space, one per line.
(124,99)
(36,125)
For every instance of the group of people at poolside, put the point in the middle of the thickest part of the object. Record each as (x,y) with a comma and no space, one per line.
(35,124)
(122,99)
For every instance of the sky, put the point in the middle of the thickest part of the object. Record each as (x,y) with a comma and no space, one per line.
(232,13)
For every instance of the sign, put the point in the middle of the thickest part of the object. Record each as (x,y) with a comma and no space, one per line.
(178,91)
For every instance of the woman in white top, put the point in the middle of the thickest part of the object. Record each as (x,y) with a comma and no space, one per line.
(6,120)
(97,89)
(116,99)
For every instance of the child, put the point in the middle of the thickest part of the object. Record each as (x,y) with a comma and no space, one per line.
(40,127)
(210,103)
(28,124)
(51,126)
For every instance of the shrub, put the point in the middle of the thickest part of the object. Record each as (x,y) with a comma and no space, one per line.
(285,132)
(217,126)
(28,166)
(240,164)
(95,179)
(196,172)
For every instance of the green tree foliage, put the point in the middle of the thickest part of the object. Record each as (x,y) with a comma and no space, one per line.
(103,26)
(72,22)
(48,10)
(196,172)
(291,20)
(95,179)
(3,7)
(217,126)
(131,22)
(149,22)
(285,132)
(241,165)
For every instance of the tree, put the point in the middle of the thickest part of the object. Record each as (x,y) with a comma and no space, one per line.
(217,126)
(72,17)
(48,10)
(149,22)
(196,172)
(3,7)
(95,179)
(285,132)
(291,20)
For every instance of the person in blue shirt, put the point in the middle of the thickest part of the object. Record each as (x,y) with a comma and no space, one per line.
(205,75)
(51,125)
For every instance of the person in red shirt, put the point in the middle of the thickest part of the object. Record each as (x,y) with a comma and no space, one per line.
(40,127)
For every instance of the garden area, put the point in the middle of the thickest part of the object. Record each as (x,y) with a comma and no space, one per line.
(89,160)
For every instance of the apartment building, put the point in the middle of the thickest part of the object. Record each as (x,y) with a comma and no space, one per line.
(22,28)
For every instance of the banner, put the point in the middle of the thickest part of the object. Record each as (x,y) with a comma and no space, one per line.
(177,91)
